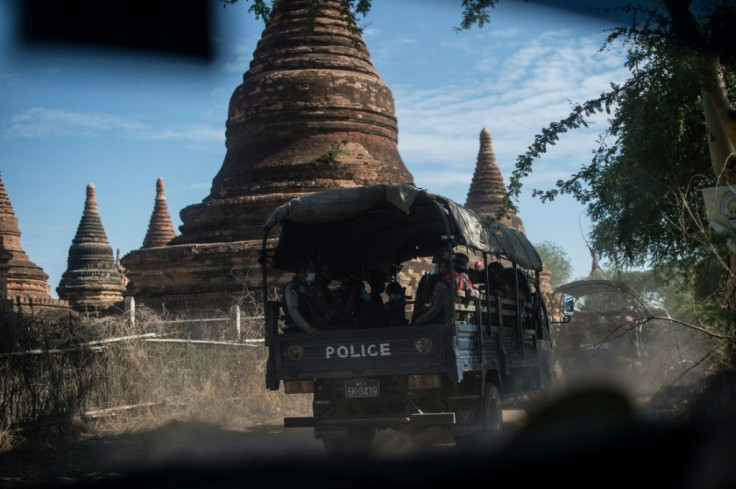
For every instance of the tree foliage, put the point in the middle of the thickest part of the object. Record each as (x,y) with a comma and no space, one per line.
(643,184)
(672,133)
(556,260)
(475,12)
(664,292)
(642,187)
(262,9)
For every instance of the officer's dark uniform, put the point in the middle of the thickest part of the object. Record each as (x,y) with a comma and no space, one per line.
(297,289)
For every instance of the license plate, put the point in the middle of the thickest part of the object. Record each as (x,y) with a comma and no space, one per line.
(361,388)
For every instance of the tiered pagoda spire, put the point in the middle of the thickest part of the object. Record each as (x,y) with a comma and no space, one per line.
(160,228)
(311,114)
(91,281)
(487,191)
(21,278)
(487,194)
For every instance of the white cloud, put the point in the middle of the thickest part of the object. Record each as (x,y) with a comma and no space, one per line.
(205,148)
(534,84)
(243,50)
(510,33)
(393,49)
(42,122)
(39,122)
(488,61)
(193,133)
(461,44)
(12,80)
(371,31)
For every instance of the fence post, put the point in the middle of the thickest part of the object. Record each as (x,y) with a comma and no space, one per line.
(129,310)
(235,318)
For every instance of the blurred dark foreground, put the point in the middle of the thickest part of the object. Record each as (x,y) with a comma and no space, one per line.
(588,437)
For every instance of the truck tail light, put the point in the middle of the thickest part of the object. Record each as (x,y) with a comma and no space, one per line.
(427,381)
(298,386)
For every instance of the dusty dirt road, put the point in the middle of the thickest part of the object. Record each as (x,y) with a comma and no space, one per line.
(94,459)
(200,455)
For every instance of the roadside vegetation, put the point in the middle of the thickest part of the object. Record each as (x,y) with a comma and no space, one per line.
(63,375)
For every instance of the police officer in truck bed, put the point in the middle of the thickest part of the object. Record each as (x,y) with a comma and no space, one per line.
(441,292)
(298,304)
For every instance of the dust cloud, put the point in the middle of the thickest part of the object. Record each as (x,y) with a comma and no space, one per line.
(655,362)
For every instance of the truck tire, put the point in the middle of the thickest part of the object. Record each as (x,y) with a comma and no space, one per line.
(492,420)
(358,443)
(492,410)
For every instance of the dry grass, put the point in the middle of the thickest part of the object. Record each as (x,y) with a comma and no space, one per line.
(8,437)
(133,384)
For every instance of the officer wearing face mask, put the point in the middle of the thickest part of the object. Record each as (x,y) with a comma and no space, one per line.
(396,305)
(297,302)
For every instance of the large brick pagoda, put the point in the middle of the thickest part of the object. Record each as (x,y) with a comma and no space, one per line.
(311,114)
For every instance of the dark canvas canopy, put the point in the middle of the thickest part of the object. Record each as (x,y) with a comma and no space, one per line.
(384,225)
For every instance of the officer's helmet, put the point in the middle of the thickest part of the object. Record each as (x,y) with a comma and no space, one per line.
(303,263)
(441,255)
(461,261)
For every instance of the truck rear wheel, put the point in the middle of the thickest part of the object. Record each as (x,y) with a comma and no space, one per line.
(492,410)
(492,420)
(358,443)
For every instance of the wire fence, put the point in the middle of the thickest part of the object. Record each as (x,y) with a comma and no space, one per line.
(55,369)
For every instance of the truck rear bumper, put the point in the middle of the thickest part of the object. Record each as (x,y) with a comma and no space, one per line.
(382,421)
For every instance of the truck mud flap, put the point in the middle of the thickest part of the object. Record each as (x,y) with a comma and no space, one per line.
(469,410)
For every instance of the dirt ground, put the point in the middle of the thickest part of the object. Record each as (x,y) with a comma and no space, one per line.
(195,454)
(98,457)
(582,432)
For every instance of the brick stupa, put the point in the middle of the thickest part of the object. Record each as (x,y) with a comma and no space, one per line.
(160,228)
(23,284)
(487,195)
(92,282)
(311,114)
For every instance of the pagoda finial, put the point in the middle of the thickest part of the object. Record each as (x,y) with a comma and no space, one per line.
(90,204)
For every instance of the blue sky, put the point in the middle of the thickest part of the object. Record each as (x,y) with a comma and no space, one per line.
(121,121)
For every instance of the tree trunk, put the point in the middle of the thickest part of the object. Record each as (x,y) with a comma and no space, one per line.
(721,132)
(719,123)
